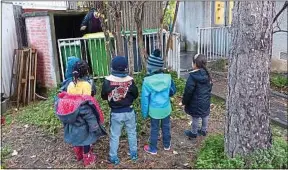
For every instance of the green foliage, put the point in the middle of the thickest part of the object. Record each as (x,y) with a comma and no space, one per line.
(41,114)
(218,65)
(279,80)
(218,101)
(169,14)
(143,124)
(5,154)
(212,155)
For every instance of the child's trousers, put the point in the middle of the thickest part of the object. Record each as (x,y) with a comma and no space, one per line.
(117,121)
(195,124)
(166,135)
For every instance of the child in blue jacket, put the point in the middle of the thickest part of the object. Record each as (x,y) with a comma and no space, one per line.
(197,95)
(157,89)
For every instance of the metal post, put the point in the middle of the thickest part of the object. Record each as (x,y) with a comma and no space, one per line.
(198,47)
(178,56)
(61,59)
(149,44)
(214,42)
(223,43)
(210,44)
(137,50)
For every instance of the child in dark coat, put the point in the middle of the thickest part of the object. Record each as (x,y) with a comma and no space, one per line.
(197,95)
(81,114)
(120,90)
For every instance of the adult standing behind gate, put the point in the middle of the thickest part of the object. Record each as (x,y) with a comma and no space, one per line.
(90,24)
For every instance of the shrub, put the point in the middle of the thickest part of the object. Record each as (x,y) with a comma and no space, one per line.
(212,155)
(42,113)
(279,80)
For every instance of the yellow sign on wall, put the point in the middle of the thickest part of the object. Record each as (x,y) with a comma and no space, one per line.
(231,4)
(219,13)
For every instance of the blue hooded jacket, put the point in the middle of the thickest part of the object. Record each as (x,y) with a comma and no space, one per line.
(156,92)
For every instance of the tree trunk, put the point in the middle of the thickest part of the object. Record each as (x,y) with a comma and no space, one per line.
(104,24)
(160,32)
(118,37)
(130,46)
(247,120)
(171,31)
(131,53)
(138,16)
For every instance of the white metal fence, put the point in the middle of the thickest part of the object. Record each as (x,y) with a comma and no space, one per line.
(93,51)
(214,42)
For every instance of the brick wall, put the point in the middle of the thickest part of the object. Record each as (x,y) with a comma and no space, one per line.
(39,37)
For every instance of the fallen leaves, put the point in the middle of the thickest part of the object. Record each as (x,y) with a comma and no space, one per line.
(14,153)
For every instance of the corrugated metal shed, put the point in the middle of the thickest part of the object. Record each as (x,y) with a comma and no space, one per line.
(8,44)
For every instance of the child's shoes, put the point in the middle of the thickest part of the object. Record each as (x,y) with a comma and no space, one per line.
(189,134)
(78,150)
(167,148)
(114,161)
(203,133)
(149,150)
(89,158)
(134,156)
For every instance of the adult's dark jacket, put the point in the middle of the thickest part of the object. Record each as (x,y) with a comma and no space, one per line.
(197,94)
(93,24)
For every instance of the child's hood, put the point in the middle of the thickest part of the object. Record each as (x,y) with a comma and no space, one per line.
(200,76)
(158,82)
(68,106)
(70,65)
(66,109)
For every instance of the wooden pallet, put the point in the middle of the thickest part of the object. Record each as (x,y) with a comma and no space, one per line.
(25,61)
(32,76)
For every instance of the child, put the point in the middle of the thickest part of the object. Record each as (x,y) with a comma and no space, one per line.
(120,91)
(196,97)
(157,89)
(80,114)
(71,62)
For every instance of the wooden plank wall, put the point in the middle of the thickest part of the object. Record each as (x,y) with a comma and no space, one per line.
(20,26)
(152,11)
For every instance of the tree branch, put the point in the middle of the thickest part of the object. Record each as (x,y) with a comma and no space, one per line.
(280,31)
(280,12)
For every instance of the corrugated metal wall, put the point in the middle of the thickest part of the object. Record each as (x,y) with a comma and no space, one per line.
(9,43)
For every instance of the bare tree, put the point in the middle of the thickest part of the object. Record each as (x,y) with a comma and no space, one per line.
(130,44)
(247,119)
(103,13)
(275,20)
(160,38)
(138,7)
(169,42)
(115,12)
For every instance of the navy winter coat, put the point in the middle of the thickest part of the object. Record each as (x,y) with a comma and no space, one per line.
(197,94)
(93,24)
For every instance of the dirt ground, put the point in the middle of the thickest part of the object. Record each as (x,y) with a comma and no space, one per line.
(37,149)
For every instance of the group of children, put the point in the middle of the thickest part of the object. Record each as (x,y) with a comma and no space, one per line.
(83,118)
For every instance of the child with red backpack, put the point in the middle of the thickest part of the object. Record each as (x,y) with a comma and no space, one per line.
(80,114)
